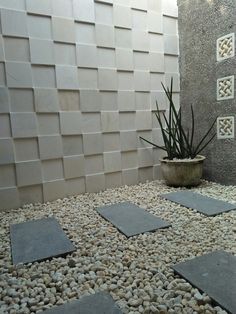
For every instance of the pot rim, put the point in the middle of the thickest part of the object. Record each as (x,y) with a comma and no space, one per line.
(196,160)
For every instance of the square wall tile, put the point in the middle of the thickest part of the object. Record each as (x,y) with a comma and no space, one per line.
(176,81)
(156,79)
(95,183)
(124,59)
(105,35)
(42,7)
(112,161)
(145,174)
(41,51)
(54,190)
(139,4)
(142,101)
(5,125)
(106,57)
(127,121)
(125,80)
(154,5)
(129,159)
(156,62)
(143,120)
(72,145)
(70,123)
(50,147)
(16,49)
(122,16)
(7,152)
(110,121)
(87,56)
(18,74)
(46,100)
(67,77)
(21,100)
(44,76)
(39,26)
(84,10)
(154,22)
(103,13)
(63,29)
(94,164)
(74,166)
(52,170)
(156,42)
(171,64)
(139,19)
(91,122)
(170,25)
(113,180)
(130,176)
(75,186)
(62,8)
(7,176)
(145,157)
(140,40)
(31,194)
(90,100)
(4,100)
(26,149)
(171,44)
(142,81)
(126,100)
(88,78)
(148,135)
(69,100)
(2,54)
(85,33)
(93,143)
(3,79)
(48,123)
(169,8)
(128,140)
(9,198)
(111,141)
(13,4)
(109,100)
(159,98)
(14,23)
(141,60)
(107,79)
(24,124)
(65,53)
(28,173)
(123,38)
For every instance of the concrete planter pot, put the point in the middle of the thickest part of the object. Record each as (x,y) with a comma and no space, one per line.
(182,172)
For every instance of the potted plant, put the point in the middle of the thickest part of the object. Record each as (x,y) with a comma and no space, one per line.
(183,165)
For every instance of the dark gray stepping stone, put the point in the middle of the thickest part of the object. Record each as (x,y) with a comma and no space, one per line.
(37,240)
(214,274)
(131,219)
(206,205)
(98,303)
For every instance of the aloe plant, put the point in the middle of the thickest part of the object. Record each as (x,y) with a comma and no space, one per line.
(179,143)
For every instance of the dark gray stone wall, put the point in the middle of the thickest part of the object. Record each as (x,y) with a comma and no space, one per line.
(201,22)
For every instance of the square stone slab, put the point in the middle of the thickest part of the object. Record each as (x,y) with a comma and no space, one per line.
(37,240)
(98,303)
(206,205)
(214,274)
(131,219)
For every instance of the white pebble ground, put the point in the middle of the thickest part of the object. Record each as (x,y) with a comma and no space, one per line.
(136,271)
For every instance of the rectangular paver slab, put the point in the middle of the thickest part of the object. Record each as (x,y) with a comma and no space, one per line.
(131,219)
(214,274)
(206,205)
(37,240)
(98,303)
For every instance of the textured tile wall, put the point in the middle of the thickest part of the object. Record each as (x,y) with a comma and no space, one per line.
(78,84)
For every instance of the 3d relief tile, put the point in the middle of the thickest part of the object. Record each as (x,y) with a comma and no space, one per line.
(156,42)
(70,123)
(46,100)
(176,80)
(69,100)
(14,23)
(130,176)
(125,80)
(9,198)
(123,38)
(44,76)
(128,140)
(129,159)
(53,190)
(48,123)
(41,51)
(139,19)
(169,8)
(103,13)
(43,7)
(66,77)
(74,166)
(105,36)
(18,74)
(31,194)
(156,79)
(145,157)
(75,186)
(139,4)
(28,173)
(225,47)
(4,100)
(154,22)
(111,141)
(39,26)
(26,149)
(107,79)
(157,62)
(85,33)
(112,161)
(17,49)
(122,16)
(110,121)
(63,29)
(142,101)
(154,5)
(109,100)
(95,182)
(113,179)
(124,59)
(93,143)
(143,120)
(7,152)
(24,124)
(62,8)
(106,57)
(84,10)
(87,56)
(140,40)
(145,174)
(7,176)
(13,4)
(88,78)
(50,147)
(52,169)
(65,53)
(141,80)
(170,25)
(2,56)
(127,121)
(91,122)
(5,125)
(126,100)
(141,60)
(225,127)
(94,164)
(2,74)
(72,145)
(90,100)
(225,88)
(171,44)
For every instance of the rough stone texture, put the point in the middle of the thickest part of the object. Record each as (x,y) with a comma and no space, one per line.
(199,72)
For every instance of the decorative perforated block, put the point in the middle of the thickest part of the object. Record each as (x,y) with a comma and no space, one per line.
(225,47)
(225,127)
(225,88)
